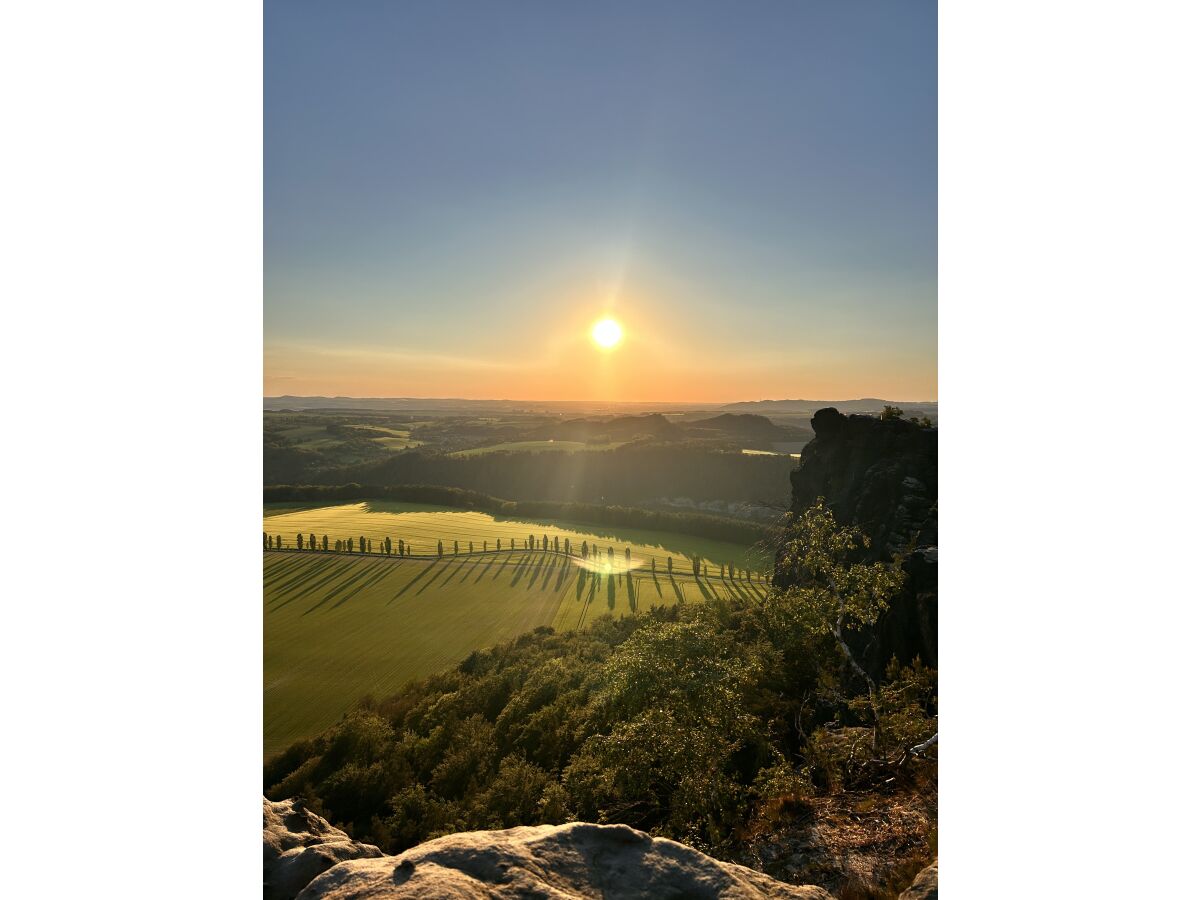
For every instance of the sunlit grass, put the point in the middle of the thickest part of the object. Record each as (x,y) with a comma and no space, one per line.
(421,526)
(338,627)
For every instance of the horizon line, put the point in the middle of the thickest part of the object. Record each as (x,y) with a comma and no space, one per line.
(584,400)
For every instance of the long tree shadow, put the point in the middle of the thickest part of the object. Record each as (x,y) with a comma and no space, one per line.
(739,589)
(703,590)
(474,565)
(451,571)
(404,590)
(533,575)
(364,574)
(550,567)
(491,561)
(630,593)
(579,584)
(587,602)
(384,573)
(277,569)
(522,563)
(657,586)
(675,588)
(300,575)
(338,571)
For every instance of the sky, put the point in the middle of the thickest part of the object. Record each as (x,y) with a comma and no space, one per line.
(454,192)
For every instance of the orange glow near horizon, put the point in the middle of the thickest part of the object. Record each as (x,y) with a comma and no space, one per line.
(619,347)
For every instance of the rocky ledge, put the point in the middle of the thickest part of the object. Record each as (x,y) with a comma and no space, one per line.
(299,845)
(307,858)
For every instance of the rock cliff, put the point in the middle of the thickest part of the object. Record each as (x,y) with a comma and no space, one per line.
(878,474)
(881,475)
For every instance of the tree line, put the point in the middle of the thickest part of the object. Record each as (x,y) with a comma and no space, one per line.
(399,547)
(624,476)
(720,528)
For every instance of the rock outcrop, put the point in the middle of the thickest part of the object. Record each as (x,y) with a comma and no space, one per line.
(299,845)
(576,860)
(924,886)
(881,475)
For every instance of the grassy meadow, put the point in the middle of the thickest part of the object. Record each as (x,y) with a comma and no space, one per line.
(422,526)
(337,627)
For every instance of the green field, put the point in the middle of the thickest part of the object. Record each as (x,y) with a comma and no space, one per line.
(392,438)
(337,627)
(539,447)
(422,526)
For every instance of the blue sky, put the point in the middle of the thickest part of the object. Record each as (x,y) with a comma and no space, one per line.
(454,191)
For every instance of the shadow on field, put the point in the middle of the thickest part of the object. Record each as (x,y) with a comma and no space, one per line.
(340,568)
(491,561)
(533,575)
(383,573)
(474,565)
(278,569)
(336,571)
(675,588)
(299,575)
(370,573)
(550,567)
(453,570)
(630,594)
(425,571)
(520,572)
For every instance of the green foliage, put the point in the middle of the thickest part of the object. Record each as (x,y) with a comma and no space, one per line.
(829,588)
(891,412)
(685,721)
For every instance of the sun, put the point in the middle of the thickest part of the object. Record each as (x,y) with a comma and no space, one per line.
(607,333)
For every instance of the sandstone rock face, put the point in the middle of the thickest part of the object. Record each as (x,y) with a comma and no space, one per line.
(924,886)
(881,476)
(299,845)
(576,860)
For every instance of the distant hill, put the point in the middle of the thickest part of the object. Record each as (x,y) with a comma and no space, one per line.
(869,405)
(619,428)
(747,425)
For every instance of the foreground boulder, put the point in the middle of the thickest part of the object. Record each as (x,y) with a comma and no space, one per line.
(577,860)
(924,886)
(299,845)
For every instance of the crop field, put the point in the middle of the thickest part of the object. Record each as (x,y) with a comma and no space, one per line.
(337,627)
(422,526)
(539,447)
(392,438)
